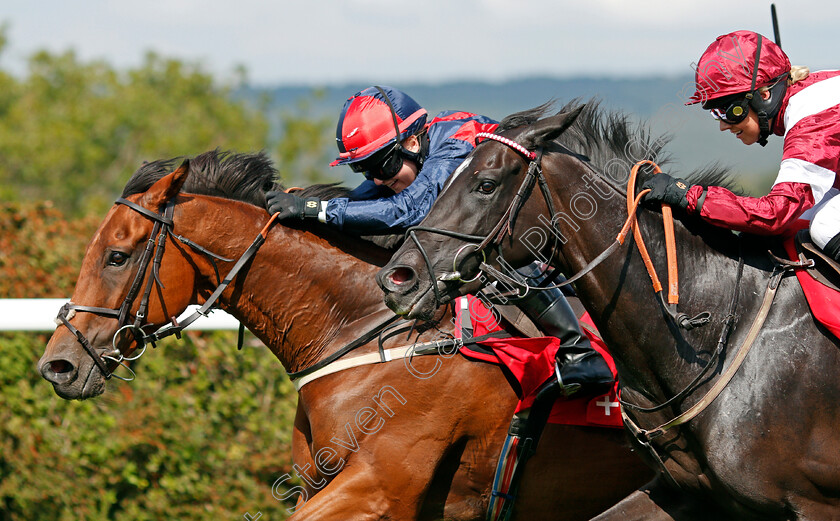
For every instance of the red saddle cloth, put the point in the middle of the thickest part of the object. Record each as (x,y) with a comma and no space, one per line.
(531,362)
(823,300)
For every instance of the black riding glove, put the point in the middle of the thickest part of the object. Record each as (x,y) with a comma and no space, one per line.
(290,206)
(666,189)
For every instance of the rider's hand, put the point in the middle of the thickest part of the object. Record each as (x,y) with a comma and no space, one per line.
(666,189)
(290,206)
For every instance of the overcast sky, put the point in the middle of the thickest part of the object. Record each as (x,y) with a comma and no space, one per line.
(337,41)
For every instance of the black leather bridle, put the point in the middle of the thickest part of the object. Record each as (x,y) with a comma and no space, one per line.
(152,255)
(504,227)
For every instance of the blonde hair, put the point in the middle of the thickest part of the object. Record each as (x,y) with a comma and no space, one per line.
(798,73)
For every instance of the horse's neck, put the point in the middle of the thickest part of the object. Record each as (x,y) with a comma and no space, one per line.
(618,293)
(301,294)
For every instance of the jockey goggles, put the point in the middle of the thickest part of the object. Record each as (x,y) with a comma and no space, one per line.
(385,165)
(733,112)
(381,166)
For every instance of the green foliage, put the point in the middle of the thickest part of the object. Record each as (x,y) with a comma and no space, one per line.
(73,132)
(300,150)
(202,433)
(40,251)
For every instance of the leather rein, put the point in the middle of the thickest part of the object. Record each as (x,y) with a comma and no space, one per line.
(152,255)
(505,227)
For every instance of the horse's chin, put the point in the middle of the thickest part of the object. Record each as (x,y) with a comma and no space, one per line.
(88,385)
(420,305)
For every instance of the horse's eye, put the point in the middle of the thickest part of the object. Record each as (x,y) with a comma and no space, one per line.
(117,258)
(486,187)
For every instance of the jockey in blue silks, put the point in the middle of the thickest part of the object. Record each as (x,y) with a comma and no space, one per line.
(404,173)
(383,133)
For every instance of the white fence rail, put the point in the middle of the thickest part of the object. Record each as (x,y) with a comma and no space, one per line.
(38,314)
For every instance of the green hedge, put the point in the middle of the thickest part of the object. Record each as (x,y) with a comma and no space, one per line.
(202,434)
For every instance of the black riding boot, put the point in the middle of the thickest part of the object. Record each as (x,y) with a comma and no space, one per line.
(579,367)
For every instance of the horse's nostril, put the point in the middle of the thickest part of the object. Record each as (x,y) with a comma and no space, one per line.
(60,366)
(59,372)
(401,275)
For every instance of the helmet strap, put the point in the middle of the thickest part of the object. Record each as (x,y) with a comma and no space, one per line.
(745,103)
(417,157)
(753,98)
(766,109)
(755,66)
(398,142)
(763,120)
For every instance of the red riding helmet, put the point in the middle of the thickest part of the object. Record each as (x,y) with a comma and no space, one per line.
(369,121)
(727,66)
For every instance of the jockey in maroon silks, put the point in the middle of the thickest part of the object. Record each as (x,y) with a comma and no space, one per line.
(746,81)
(382,133)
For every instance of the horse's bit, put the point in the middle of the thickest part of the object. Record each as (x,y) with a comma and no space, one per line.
(503,227)
(162,226)
(162,229)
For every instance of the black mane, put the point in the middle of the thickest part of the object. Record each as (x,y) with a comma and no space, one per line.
(240,177)
(237,176)
(604,136)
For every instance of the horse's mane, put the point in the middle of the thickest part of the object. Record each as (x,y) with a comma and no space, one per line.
(604,136)
(244,177)
(240,177)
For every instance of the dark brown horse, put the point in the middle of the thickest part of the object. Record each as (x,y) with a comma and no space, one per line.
(370,442)
(768,446)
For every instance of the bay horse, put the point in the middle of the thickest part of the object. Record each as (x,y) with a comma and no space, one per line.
(768,446)
(370,442)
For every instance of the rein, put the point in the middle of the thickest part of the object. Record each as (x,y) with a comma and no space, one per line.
(633,201)
(162,229)
(153,254)
(504,227)
(681,319)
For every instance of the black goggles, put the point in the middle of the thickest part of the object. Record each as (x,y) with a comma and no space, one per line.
(381,167)
(733,112)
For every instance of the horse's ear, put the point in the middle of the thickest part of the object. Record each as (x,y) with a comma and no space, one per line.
(548,129)
(167,188)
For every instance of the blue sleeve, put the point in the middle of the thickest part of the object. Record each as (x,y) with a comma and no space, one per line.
(368,190)
(406,208)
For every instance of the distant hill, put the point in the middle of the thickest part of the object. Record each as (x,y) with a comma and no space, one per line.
(658,101)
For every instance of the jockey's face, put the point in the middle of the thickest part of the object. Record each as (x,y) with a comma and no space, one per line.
(748,130)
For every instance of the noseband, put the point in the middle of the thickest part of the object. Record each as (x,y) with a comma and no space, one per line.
(153,254)
(162,228)
(504,227)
